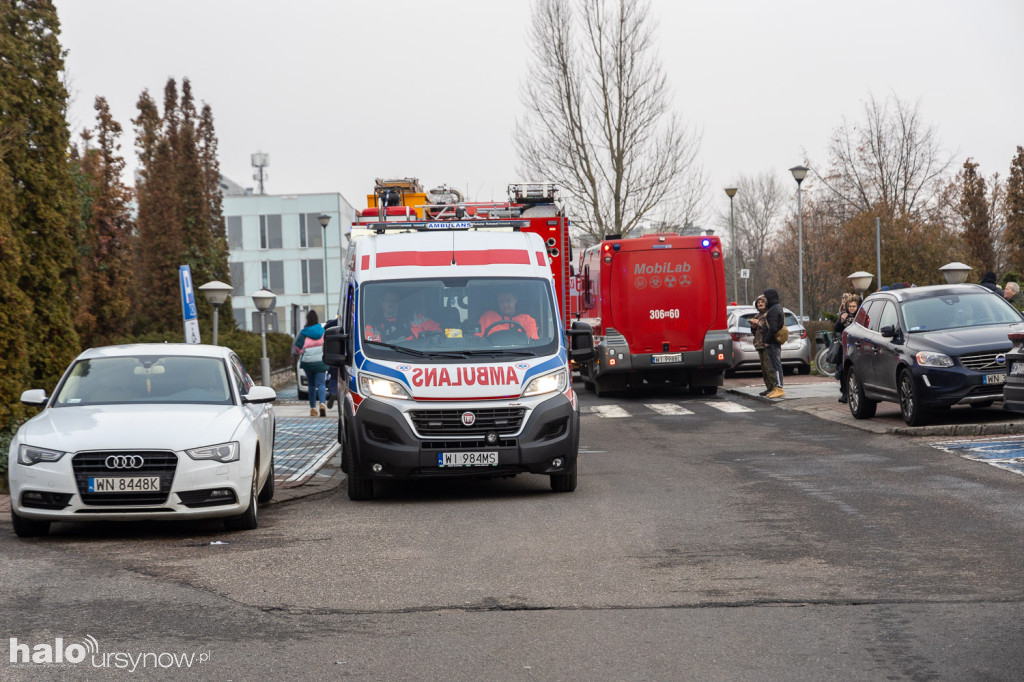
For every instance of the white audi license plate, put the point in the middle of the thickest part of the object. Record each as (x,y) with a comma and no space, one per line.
(125,484)
(994,379)
(668,357)
(467,459)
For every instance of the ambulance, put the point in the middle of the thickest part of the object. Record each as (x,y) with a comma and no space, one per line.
(430,391)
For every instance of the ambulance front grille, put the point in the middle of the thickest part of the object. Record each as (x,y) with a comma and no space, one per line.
(453,422)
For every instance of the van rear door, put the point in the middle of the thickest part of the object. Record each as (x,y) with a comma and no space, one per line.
(664,295)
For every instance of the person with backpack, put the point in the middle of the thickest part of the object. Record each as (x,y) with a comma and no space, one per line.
(774,323)
(309,346)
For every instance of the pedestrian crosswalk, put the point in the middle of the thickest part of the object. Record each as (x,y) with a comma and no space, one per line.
(664,409)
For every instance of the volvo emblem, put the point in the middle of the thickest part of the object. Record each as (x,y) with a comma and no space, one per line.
(125,462)
(468,418)
(1000,359)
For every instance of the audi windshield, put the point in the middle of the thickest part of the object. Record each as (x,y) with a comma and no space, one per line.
(145,380)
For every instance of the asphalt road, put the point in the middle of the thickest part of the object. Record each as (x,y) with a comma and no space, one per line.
(742,545)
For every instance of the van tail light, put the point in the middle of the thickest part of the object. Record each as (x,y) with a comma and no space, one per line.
(736,337)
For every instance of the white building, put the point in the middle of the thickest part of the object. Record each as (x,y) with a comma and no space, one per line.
(276,242)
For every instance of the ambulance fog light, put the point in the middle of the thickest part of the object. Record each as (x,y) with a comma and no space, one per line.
(557,463)
(549,383)
(491,437)
(377,467)
(382,388)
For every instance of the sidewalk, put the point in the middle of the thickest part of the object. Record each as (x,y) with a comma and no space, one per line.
(307,456)
(819,397)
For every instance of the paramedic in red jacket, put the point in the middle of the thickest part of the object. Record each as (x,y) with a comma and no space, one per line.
(387,326)
(491,321)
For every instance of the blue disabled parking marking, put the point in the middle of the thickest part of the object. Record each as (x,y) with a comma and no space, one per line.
(1005,453)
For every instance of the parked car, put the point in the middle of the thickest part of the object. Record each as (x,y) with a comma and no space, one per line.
(145,431)
(1013,389)
(300,381)
(929,348)
(796,352)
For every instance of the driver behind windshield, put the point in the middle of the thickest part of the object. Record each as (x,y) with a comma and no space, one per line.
(507,318)
(388,325)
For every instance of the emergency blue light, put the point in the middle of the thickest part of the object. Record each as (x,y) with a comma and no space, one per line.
(705,243)
(616,246)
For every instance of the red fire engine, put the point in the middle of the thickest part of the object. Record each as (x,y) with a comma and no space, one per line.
(530,207)
(656,305)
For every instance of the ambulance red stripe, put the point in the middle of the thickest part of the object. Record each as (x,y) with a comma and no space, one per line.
(393,259)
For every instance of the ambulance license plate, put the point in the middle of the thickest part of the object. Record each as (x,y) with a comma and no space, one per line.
(667,357)
(994,379)
(467,459)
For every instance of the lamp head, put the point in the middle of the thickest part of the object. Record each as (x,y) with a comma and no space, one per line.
(731,191)
(216,292)
(799,173)
(324,219)
(264,300)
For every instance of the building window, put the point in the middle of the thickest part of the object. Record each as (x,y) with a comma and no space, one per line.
(234,225)
(313,276)
(237,272)
(272,275)
(239,317)
(310,232)
(270,232)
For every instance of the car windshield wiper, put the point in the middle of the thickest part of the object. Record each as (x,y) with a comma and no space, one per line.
(497,352)
(400,349)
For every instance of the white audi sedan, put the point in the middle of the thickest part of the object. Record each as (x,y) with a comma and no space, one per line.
(145,431)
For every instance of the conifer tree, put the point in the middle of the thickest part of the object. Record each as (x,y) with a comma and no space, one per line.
(106,254)
(38,198)
(1014,232)
(974,215)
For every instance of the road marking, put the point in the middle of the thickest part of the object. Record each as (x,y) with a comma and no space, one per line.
(609,411)
(728,406)
(1004,453)
(668,409)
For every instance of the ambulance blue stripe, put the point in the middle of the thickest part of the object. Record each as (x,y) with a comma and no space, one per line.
(548,365)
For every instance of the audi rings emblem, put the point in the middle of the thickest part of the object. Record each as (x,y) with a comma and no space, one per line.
(125,462)
(468,418)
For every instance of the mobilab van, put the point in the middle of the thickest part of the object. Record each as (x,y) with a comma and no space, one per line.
(454,358)
(656,306)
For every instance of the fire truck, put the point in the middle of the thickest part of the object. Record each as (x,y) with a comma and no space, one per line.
(656,306)
(531,207)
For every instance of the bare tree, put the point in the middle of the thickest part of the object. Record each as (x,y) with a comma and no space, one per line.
(758,211)
(598,120)
(889,159)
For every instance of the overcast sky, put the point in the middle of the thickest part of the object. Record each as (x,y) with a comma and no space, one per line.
(339,92)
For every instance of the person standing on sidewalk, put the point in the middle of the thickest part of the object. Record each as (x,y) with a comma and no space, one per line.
(846,317)
(774,320)
(309,346)
(757,326)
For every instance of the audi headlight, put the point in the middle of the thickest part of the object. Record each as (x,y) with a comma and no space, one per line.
(225,452)
(29,455)
(382,388)
(548,383)
(928,358)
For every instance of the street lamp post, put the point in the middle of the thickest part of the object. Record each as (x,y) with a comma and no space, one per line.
(731,191)
(955,273)
(216,293)
(324,219)
(799,173)
(264,301)
(861,281)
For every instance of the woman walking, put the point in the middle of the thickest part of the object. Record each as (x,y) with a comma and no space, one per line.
(309,345)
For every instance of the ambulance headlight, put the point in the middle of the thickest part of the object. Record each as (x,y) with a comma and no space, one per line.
(549,383)
(382,388)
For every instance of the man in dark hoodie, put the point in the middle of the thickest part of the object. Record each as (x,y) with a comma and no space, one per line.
(989,282)
(774,320)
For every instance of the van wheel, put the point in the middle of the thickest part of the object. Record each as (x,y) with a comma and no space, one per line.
(914,414)
(564,483)
(249,519)
(360,487)
(29,528)
(709,390)
(861,407)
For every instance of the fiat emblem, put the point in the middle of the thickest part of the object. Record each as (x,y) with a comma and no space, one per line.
(468,418)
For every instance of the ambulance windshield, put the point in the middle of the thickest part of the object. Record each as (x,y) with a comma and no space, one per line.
(458,318)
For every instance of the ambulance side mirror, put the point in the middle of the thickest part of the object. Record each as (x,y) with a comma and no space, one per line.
(334,347)
(581,342)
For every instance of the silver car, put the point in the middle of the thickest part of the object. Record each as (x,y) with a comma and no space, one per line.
(796,352)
